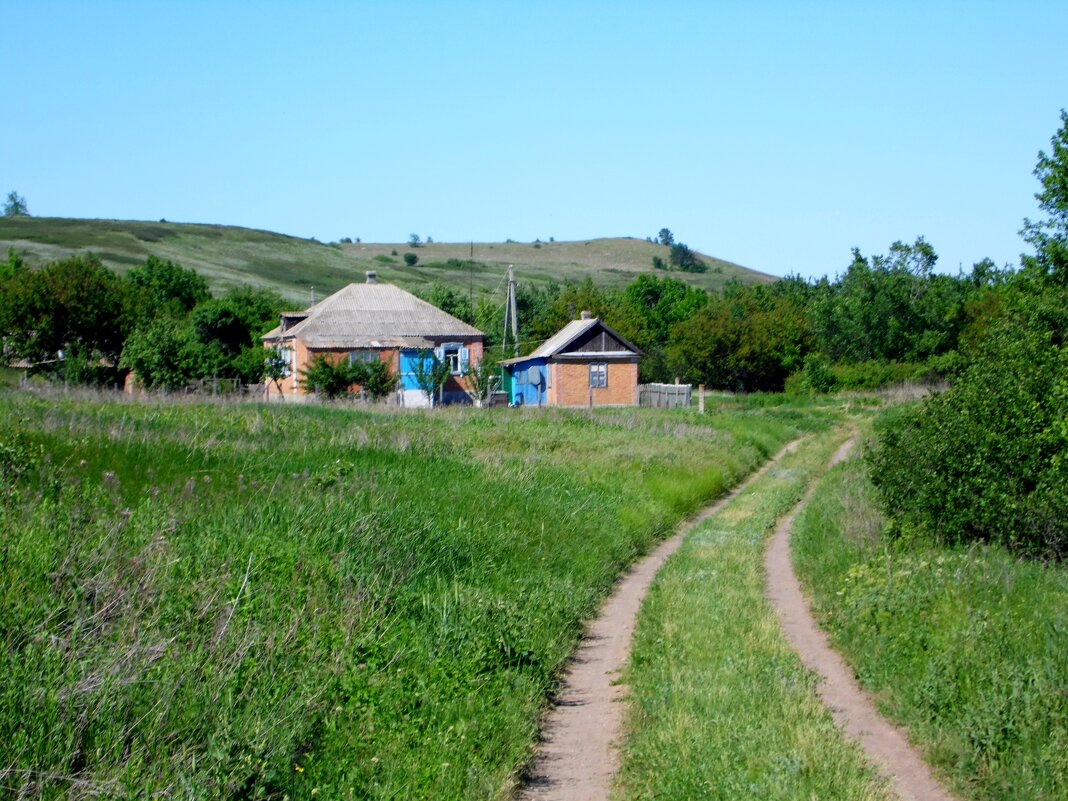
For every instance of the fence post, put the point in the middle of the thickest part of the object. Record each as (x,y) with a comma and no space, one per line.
(701,398)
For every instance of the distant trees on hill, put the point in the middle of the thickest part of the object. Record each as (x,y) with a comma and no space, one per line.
(15,205)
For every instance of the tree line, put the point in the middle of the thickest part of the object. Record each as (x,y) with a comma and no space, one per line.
(888,316)
(77,321)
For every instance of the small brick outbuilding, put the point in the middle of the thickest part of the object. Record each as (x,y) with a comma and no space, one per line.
(586,363)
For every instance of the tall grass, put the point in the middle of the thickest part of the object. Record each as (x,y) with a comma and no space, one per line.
(721,707)
(968,647)
(241,601)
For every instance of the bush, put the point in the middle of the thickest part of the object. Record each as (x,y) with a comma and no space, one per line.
(335,379)
(816,375)
(410,259)
(875,374)
(384,259)
(985,460)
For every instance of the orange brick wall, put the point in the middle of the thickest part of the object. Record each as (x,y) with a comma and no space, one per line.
(571,385)
(293,387)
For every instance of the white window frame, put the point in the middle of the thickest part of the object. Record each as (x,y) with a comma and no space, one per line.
(289,355)
(598,375)
(456,356)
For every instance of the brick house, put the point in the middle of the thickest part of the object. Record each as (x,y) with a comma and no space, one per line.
(586,363)
(377,321)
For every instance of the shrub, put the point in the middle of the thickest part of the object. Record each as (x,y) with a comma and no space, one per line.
(335,379)
(985,460)
(816,375)
(384,259)
(875,374)
(410,259)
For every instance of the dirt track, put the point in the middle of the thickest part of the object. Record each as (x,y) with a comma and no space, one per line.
(886,745)
(577,759)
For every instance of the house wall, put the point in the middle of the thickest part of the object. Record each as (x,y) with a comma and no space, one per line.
(525,394)
(457,388)
(571,385)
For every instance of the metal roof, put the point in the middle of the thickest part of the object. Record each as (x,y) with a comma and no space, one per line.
(374,315)
(557,344)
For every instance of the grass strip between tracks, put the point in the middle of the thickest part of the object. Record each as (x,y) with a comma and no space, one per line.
(721,707)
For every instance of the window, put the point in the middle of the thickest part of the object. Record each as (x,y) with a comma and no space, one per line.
(598,374)
(289,357)
(363,356)
(456,356)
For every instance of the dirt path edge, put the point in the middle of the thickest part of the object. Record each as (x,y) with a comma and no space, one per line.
(577,758)
(885,744)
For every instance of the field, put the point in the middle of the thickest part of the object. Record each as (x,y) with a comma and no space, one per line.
(967,646)
(265,602)
(228,256)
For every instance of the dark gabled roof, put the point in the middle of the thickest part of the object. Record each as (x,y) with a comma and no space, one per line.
(561,343)
(374,315)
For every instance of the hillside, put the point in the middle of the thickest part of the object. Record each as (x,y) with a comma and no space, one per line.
(230,255)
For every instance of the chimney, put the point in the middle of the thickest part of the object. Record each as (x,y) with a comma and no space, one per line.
(372,277)
(586,314)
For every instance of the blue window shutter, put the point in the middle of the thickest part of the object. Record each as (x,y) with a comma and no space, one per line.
(440,353)
(465,360)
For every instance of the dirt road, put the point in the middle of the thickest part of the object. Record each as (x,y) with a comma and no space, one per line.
(886,745)
(577,759)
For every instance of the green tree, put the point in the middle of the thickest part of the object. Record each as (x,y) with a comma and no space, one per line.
(275,368)
(15,205)
(665,237)
(985,460)
(75,306)
(410,259)
(329,377)
(685,259)
(451,301)
(376,378)
(482,379)
(1049,237)
(430,373)
(413,241)
(163,354)
(335,377)
(746,339)
(163,286)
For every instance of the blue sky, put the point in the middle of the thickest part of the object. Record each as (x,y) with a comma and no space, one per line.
(776,135)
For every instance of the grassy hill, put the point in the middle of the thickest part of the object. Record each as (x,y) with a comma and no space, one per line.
(229,255)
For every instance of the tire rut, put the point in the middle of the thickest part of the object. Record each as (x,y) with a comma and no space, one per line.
(885,744)
(577,758)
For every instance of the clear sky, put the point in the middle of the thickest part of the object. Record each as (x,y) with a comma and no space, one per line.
(777,135)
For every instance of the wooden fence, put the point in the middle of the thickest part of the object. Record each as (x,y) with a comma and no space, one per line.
(665,396)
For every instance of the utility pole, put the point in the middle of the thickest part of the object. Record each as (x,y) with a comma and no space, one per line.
(509,314)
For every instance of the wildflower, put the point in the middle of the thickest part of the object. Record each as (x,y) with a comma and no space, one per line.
(298,768)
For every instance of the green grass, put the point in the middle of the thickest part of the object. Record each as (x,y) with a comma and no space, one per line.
(229,256)
(968,647)
(213,600)
(720,706)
